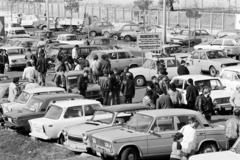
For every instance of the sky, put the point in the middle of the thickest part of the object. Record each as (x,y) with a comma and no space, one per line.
(124,2)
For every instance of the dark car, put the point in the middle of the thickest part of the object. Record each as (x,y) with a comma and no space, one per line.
(36,108)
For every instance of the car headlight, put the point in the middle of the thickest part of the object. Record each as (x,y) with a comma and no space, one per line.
(107,145)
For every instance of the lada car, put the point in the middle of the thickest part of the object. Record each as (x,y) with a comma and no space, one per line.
(230,77)
(231,154)
(36,108)
(17,32)
(150,133)
(220,96)
(16,56)
(211,61)
(61,115)
(104,118)
(69,39)
(26,95)
(24,42)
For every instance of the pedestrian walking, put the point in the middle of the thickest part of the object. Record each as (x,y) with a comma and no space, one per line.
(60,78)
(154,86)
(75,52)
(175,96)
(232,128)
(104,82)
(28,54)
(182,69)
(95,68)
(128,88)
(104,65)
(77,66)
(176,153)
(191,94)
(29,72)
(41,68)
(124,73)
(164,83)
(13,89)
(204,103)
(115,85)
(148,100)
(82,83)
(4,62)
(83,62)
(161,68)
(164,101)
(235,98)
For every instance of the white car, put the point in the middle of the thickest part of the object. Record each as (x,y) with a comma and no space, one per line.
(211,61)
(229,44)
(17,32)
(16,56)
(69,39)
(61,115)
(220,96)
(26,95)
(230,77)
(232,154)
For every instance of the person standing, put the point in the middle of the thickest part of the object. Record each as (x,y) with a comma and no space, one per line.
(115,86)
(154,86)
(164,84)
(4,61)
(204,103)
(82,83)
(164,101)
(95,68)
(13,89)
(104,82)
(148,100)
(28,54)
(232,128)
(104,65)
(124,73)
(235,98)
(191,94)
(182,69)
(75,52)
(176,147)
(128,88)
(59,77)
(175,96)
(41,68)
(29,72)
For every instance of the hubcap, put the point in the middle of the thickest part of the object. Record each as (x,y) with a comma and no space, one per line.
(131,156)
(140,81)
(93,34)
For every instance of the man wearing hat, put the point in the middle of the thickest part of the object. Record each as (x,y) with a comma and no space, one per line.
(182,69)
(235,98)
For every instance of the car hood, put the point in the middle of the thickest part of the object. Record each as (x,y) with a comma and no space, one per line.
(226,155)
(42,121)
(220,94)
(119,135)
(12,106)
(19,113)
(224,60)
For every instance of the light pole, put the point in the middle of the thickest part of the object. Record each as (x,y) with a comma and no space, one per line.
(47,10)
(164,22)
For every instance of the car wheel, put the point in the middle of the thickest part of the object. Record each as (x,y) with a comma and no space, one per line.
(61,139)
(130,154)
(133,66)
(93,34)
(212,71)
(106,34)
(115,37)
(127,38)
(208,147)
(139,81)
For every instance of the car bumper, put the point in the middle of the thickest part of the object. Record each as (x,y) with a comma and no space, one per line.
(76,146)
(39,135)
(223,107)
(17,65)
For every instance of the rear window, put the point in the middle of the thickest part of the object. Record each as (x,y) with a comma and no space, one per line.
(20,32)
(54,112)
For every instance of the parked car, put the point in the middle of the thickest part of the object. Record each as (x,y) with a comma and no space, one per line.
(36,108)
(77,136)
(26,95)
(16,56)
(170,33)
(69,39)
(220,96)
(229,44)
(225,33)
(61,115)
(119,58)
(211,60)
(24,42)
(17,32)
(231,154)
(109,32)
(150,133)
(230,77)
(130,32)
(96,28)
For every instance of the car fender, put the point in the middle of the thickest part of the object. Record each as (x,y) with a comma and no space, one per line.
(130,145)
(206,141)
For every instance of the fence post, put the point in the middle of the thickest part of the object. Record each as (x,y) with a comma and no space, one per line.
(177,17)
(158,17)
(100,13)
(123,14)
(58,8)
(107,13)
(200,22)
(223,17)
(131,10)
(92,10)
(211,20)
(168,18)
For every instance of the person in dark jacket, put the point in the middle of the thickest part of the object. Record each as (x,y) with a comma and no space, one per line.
(164,101)
(182,69)
(83,83)
(204,103)
(154,86)
(191,94)
(4,61)
(41,67)
(128,88)
(104,65)
(115,85)
(124,73)
(104,82)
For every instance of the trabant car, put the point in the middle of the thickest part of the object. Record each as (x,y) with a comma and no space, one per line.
(69,39)
(61,115)
(150,133)
(77,136)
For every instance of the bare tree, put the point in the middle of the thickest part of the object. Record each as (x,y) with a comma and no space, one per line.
(169,4)
(72,6)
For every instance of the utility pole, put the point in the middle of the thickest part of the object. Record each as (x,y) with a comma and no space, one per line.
(47,10)
(164,22)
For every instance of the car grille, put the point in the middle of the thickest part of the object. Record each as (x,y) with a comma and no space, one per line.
(75,139)
(222,100)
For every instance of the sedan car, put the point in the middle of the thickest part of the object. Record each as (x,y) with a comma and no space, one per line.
(103,118)
(232,154)
(230,77)
(211,60)
(69,39)
(150,133)
(96,28)
(220,96)
(36,108)
(61,115)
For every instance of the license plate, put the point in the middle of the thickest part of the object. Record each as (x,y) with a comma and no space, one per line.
(228,108)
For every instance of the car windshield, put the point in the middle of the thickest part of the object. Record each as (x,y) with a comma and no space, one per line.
(23,97)
(139,122)
(34,105)
(171,50)
(216,54)
(20,32)
(103,117)
(71,38)
(54,112)
(214,84)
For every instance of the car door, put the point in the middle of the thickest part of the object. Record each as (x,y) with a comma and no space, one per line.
(113,57)
(195,58)
(89,110)
(124,59)
(171,66)
(161,135)
(203,61)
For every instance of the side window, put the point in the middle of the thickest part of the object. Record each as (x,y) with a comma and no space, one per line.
(171,63)
(183,120)
(227,75)
(126,28)
(178,83)
(203,56)
(46,107)
(217,42)
(112,55)
(123,55)
(74,112)
(163,124)
(195,55)
(88,110)
(204,33)
(228,42)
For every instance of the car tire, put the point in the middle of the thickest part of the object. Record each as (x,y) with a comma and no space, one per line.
(208,147)
(93,34)
(106,34)
(127,38)
(115,37)
(213,71)
(61,139)
(129,154)
(140,81)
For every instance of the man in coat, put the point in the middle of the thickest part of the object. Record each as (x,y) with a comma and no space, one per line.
(182,69)
(191,94)
(128,88)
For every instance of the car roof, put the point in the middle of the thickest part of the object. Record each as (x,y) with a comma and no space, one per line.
(168,112)
(111,51)
(124,107)
(56,96)
(72,46)
(195,77)
(207,50)
(11,47)
(232,68)
(76,102)
(43,89)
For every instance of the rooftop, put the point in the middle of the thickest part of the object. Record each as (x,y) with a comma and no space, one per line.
(124,107)
(57,95)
